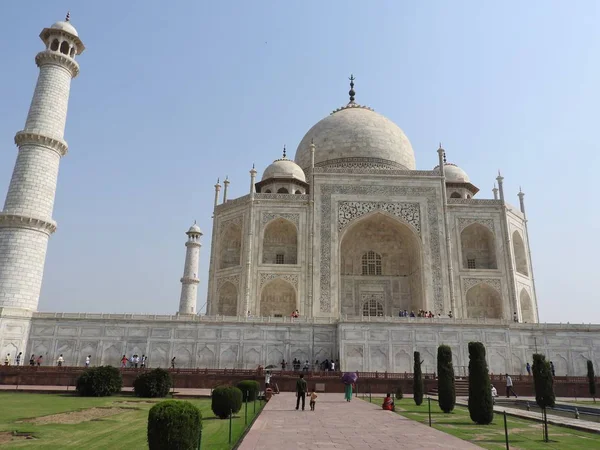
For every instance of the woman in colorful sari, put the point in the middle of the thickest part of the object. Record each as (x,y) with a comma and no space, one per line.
(348,392)
(388,403)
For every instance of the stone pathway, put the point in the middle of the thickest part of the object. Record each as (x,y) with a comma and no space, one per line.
(337,424)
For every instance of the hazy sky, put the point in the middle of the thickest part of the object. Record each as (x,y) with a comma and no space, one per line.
(173,95)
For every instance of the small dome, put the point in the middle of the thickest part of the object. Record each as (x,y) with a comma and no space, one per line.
(66,27)
(194,229)
(284,168)
(357,134)
(454,174)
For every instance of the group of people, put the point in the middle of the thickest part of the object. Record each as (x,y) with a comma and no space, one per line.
(552,370)
(295,314)
(422,313)
(301,391)
(298,365)
(33,361)
(134,361)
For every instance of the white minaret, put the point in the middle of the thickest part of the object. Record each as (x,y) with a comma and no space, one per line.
(26,220)
(189,281)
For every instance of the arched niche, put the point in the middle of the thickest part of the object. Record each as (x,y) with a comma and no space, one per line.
(228,299)
(280,242)
(381,248)
(278,298)
(478,247)
(282,191)
(527,314)
(230,246)
(483,301)
(520,255)
(455,195)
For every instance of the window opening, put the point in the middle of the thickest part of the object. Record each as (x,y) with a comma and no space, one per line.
(471,263)
(371,263)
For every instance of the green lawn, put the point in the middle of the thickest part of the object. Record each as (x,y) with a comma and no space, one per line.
(523,434)
(126,429)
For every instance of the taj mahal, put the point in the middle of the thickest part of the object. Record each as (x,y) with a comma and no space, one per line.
(347,235)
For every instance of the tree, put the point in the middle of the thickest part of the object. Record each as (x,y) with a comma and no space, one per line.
(418,380)
(481,406)
(446,391)
(591,379)
(544,386)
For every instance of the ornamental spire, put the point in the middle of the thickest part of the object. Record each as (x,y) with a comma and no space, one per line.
(68,17)
(352,93)
(284,157)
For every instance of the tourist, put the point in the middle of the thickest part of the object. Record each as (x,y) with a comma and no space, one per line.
(249,314)
(306,365)
(32,361)
(509,387)
(267,379)
(173,362)
(348,392)
(60,360)
(283,364)
(143,361)
(131,358)
(124,361)
(412,314)
(313,399)
(528,367)
(268,393)
(337,364)
(494,394)
(18,359)
(136,361)
(300,391)
(7,360)
(450,314)
(332,366)
(552,369)
(388,403)
(515,317)
(39,360)
(88,358)
(294,364)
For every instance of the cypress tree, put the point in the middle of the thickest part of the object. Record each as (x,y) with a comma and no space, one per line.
(591,379)
(446,391)
(418,380)
(481,406)
(544,386)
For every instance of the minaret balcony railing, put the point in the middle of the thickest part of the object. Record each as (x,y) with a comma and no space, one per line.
(35,138)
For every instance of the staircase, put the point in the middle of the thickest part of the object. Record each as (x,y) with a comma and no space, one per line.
(461,386)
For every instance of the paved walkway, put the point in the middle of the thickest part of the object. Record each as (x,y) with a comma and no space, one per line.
(337,424)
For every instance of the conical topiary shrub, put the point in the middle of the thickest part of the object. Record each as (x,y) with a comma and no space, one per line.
(446,391)
(418,380)
(481,406)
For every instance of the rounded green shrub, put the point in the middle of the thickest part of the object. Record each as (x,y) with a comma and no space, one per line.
(226,399)
(155,383)
(99,381)
(481,406)
(399,393)
(249,389)
(446,390)
(174,424)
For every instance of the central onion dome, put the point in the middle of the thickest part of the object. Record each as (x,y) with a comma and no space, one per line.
(356,136)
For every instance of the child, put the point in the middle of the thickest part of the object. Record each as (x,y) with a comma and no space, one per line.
(313,399)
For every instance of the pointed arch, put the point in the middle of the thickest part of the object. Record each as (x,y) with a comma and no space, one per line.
(280,242)
(64,48)
(527,313)
(278,298)
(228,299)
(520,255)
(455,195)
(478,247)
(230,246)
(483,301)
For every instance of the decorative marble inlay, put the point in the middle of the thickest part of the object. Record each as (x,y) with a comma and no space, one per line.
(294,218)
(233,279)
(429,193)
(289,277)
(464,222)
(238,221)
(468,283)
(407,212)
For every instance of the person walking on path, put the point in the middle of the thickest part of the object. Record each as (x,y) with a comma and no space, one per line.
(60,360)
(313,399)
(528,367)
(509,387)
(348,392)
(551,369)
(32,361)
(300,392)
(173,362)
(124,361)
(18,359)
(7,360)
(88,358)
(39,360)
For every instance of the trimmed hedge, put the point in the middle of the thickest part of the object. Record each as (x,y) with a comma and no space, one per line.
(481,406)
(249,389)
(446,391)
(99,381)
(174,424)
(155,383)
(418,380)
(591,379)
(542,381)
(226,399)
(399,393)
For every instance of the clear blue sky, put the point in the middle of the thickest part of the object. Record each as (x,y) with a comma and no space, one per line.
(173,95)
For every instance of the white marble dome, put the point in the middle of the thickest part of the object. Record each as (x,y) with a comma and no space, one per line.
(356,135)
(194,229)
(66,27)
(284,168)
(454,174)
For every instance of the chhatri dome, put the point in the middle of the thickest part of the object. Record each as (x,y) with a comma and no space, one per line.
(355,134)
(284,168)
(453,173)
